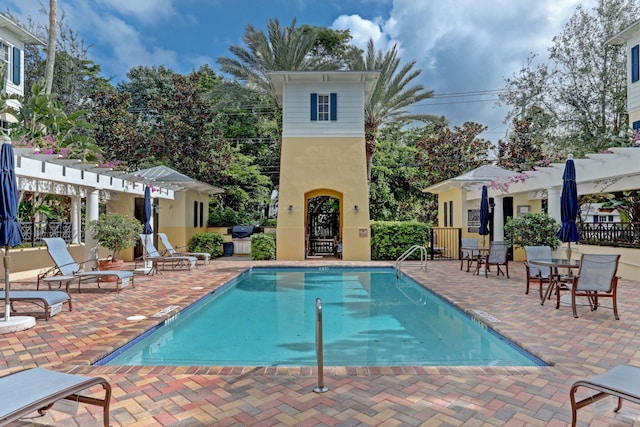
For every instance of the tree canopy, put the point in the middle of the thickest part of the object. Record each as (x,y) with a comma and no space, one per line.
(575,101)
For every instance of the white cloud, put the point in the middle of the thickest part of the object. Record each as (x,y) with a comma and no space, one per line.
(466,45)
(146,11)
(119,45)
(362,30)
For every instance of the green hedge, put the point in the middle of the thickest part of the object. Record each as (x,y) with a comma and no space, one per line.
(263,246)
(532,229)
(207,242)
(390,239)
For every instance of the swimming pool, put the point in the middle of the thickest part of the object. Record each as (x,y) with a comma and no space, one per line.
(266,317)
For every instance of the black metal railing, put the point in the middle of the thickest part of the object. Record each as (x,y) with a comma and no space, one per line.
(34,232)
(444,243)
(624,234)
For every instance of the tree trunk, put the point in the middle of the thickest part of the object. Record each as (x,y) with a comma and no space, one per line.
(370,134)
(51,46)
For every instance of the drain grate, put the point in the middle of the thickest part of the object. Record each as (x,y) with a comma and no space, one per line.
(486,316)
(165,311)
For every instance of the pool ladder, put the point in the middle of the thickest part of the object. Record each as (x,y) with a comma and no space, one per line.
(408,253)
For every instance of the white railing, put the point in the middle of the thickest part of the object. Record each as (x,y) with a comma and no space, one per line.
(408,253)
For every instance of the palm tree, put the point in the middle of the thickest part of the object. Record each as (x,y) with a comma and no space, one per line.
(391,96)
(285,49)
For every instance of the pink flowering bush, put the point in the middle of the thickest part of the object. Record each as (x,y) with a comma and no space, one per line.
(502,183)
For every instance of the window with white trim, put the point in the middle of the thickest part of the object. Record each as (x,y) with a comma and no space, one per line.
(324,107)
(5,61)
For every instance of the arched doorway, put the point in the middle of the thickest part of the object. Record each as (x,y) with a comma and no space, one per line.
(323,229)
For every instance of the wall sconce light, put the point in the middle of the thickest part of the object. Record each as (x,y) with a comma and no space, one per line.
(356,208)
(290,208)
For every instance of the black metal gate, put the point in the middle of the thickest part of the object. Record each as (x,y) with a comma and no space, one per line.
(444,243)
(323,231)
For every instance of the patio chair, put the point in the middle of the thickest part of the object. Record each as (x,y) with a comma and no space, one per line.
(203,256)
(37,389)
(50,301)
(151,254)
(595,279)
(621,381)
(439,251)
(497,256)
(537,274)
(468,255)
(66,269)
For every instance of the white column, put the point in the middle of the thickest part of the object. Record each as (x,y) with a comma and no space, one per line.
(90,244)
(76,211)
(498,219)
(553,202)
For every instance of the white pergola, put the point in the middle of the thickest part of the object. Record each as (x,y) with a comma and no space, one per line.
(618,169)
(50,173)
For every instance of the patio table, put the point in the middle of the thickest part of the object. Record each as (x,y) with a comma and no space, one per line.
(554,277)
(476,252)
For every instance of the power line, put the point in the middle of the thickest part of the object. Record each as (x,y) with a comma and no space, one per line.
(428,104)
(471,93)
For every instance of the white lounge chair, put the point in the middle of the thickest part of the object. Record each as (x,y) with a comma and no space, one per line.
(37,389)
(203,256)
(50,301)
(66,269)
(174,262)
(621,381)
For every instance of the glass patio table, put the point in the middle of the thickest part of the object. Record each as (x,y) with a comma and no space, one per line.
(476,252)
(555,264)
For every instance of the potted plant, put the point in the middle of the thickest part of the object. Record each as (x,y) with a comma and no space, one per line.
(115,232)
(532,229)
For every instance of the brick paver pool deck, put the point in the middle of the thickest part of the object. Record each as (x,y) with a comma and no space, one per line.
(405,396)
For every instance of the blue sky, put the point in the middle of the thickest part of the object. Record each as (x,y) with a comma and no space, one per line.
(464,48)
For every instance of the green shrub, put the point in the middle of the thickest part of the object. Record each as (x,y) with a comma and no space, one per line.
(390,239)
(115,231)
(269,222)
(532,229)
(263,246)
(207,242)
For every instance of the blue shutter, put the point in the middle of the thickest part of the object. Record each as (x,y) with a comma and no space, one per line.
(333,113)
(635,63)
(636,125)
(314,106)
(16,66)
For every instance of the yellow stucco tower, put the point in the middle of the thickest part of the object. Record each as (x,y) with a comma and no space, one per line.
(323,154)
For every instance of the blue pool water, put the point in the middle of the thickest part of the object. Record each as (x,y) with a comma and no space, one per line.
(370,318)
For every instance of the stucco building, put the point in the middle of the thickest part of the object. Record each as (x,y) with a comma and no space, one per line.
(323,154)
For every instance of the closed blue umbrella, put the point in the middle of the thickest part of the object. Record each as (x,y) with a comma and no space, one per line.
(146,212)
(10,232)
(485,214)
(569,207)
